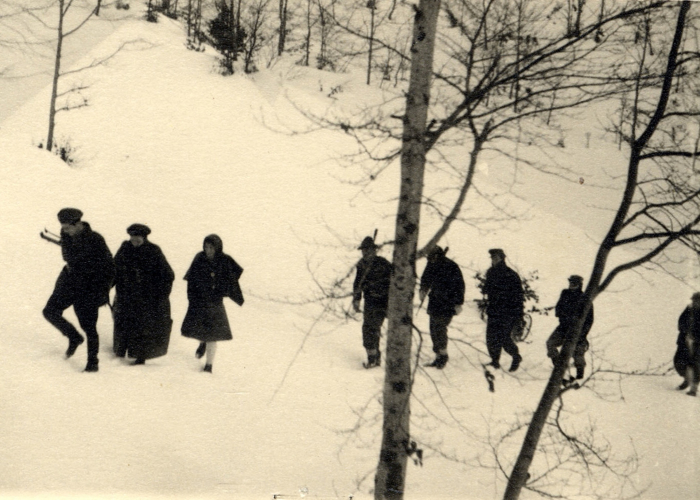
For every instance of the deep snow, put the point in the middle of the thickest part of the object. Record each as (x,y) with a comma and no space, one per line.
(168,142)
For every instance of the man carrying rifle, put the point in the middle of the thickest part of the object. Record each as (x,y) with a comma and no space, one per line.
(372,281)
(84,283)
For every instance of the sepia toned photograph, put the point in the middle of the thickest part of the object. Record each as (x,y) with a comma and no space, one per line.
(350,249)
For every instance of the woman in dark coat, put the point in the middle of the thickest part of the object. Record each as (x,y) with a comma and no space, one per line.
(142,322)
(212,276)
(687,358)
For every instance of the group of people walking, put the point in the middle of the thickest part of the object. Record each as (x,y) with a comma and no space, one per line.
(442,283)
(143,280)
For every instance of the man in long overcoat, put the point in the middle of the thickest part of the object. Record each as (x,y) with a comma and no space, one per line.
(372,281)
(687,358)
(84,283)
(504,306)
(142,322)
(443,283)
(568,310)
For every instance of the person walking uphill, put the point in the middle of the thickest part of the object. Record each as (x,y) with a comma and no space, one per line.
(84,283)
(504,306)
(443,283)
(144,280)
(372,281)
(212,276)
(687,358)
(568,309)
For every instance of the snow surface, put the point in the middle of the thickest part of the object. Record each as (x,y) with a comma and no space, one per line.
(168,142)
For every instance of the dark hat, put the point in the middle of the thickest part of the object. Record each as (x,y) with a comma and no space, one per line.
(138,230)
(497,251)
(576,279)
(435,253)
(69,215)
(368,242)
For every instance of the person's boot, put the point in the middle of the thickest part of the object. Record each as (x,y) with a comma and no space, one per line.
(139,361)
(515,363)
(495,364)
(440,361)
(91,366)
(373,360)
(579,372)
(683,386)
(73,344)
(207,368)
(201,350)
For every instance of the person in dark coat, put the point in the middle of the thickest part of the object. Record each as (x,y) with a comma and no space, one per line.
(505,304)
(568,310)
(687,358)
(443,283)
(212,276)
(84,283)
(144,280)
(372,281)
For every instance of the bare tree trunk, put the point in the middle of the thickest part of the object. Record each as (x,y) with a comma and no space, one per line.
(391,470)
(56,75)
(97,9)
(372,7)
(283,27)
(236,30)
(307,52)
(596,283)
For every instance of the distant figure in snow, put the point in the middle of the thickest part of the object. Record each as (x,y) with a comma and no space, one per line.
(505,304)
(212,276)
(372,281)
(687,358)
(84,283)
(142,322)
(443,283)
(568,310)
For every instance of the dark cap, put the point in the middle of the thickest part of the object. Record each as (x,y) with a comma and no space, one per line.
(497,251)
(69,215)
(436,253)
(576,279)
(368,242)
(138,230)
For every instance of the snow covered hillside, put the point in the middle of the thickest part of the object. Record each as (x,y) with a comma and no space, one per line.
(288,410)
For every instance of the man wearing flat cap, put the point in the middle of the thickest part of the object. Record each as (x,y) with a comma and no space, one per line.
(568,309)
(142,322)
(505,303)
(84,283)
(442,282)
(372,281)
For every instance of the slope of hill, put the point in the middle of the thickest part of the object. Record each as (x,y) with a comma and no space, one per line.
(168,142)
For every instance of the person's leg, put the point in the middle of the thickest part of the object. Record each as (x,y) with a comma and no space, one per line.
(509,345)
(59,301)
(201,350)
(693,376)
(211,353)
(493,342)
(87,317)
(438,334)
(554,341)
(580,358)
(371,328)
